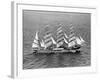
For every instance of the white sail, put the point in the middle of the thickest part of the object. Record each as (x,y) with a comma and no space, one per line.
(59,31)
(65,35)
(35,43)
(65,41)
(42,44)
(59,28)
(46,36)
(82,41)
(71,35)
(72,38)
(48,44)
(71,28)
(47,40)
(59,44)
(54,42)
(36,37)
(60,39)
(78,41)
(71,44)
(60,36)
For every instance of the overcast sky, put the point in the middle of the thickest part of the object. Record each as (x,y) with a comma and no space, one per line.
(37,20)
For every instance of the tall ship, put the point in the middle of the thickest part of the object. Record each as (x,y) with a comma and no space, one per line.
(62,44)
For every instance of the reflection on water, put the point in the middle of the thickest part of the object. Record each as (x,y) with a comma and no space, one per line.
(34,61)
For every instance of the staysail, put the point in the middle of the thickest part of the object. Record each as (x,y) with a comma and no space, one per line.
(35,43)
(82,40)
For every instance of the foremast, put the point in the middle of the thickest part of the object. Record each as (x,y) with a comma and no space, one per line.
(62,37)
(49,41)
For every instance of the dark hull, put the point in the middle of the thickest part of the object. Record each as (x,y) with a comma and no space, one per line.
(55,51)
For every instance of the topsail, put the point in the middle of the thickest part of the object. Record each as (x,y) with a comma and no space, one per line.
(54,42)
(42,44)
(60,39)
(72,38)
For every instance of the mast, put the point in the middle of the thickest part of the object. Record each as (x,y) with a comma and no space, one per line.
(47,38)
(72,38)
(60,37)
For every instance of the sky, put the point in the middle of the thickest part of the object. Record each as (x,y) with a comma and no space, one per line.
(37,20)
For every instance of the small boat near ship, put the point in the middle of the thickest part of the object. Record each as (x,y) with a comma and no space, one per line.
(62,44)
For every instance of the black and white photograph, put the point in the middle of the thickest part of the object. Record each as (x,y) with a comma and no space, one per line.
(56,39)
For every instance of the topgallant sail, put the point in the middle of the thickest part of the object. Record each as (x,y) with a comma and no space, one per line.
(74,41)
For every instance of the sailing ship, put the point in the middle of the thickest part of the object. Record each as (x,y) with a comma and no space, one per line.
(63,42)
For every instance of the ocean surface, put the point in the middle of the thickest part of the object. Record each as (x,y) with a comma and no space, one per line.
(36,61)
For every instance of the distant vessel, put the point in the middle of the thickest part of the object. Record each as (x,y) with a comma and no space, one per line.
(63,43)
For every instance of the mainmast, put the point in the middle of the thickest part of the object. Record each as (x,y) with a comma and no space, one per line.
(60,37)
(47,38)
(72,38)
